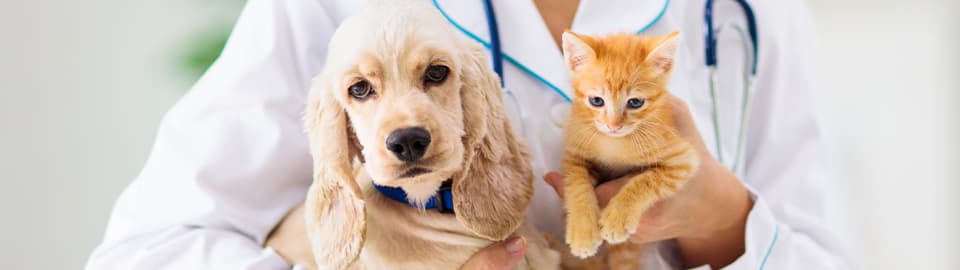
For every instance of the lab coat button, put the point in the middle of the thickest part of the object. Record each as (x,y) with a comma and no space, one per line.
(559,114)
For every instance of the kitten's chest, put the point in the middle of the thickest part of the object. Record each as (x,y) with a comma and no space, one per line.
(614,157)
(625,150)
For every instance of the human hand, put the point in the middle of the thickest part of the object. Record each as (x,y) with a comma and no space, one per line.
(499,256)
(707,216)
(289,240)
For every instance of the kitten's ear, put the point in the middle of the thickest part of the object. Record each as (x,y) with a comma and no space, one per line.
(661,56)
(576,52)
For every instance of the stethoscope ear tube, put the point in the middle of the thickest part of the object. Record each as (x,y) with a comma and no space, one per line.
(494,39)
(710,37)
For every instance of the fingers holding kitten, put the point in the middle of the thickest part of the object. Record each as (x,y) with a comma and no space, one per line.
(604,191)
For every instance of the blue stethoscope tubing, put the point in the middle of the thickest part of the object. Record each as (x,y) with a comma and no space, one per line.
(749,37)
(497,52)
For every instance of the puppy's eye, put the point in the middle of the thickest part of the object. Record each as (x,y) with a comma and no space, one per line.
(436,74)
(596,101)
(636,103)
(360,90)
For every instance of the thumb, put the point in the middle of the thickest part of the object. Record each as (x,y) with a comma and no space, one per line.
(500,256)
(555,180)
(684,123)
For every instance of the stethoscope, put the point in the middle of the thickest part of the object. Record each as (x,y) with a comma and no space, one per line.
(748,36)
(749,40)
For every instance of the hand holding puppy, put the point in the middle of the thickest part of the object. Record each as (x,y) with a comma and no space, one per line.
(503,255)
(288,240)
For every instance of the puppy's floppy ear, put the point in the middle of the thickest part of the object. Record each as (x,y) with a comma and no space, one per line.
(481,98)
(335,214)
(491,193)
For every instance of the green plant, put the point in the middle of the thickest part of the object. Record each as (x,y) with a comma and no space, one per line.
(203,48)
(203,52)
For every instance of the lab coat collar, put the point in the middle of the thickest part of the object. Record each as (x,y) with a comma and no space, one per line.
(527,43)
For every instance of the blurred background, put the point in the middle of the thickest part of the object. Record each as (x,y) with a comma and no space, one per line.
(83,85)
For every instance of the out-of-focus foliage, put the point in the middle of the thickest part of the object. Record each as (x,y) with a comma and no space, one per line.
(203,48)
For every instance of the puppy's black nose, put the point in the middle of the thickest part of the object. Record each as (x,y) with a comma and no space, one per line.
(408,144)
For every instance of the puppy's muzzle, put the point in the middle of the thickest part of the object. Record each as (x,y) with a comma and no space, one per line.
(408,144)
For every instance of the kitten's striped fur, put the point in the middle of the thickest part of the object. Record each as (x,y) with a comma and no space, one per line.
(615,140)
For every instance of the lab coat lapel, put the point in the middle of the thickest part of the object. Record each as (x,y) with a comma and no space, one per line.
(595,17)
(526,41)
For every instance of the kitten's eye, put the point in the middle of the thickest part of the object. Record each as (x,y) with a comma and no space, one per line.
(436,74)
(360,90)
(596,101)
(636,103)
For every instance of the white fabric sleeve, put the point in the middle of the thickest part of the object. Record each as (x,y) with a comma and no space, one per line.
(230,158)
(786,227)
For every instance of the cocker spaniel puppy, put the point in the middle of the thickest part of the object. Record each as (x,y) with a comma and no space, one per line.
(405,103)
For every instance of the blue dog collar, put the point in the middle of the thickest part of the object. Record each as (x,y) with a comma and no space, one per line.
(442,201)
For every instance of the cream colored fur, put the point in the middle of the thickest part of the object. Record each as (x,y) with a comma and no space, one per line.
(352,226)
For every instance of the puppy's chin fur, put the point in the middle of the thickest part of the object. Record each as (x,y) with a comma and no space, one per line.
(420,192)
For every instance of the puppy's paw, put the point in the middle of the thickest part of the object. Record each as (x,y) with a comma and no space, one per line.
(583,236)
(617,224)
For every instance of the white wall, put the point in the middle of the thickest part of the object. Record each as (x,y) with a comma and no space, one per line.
(83,85)
(889,77)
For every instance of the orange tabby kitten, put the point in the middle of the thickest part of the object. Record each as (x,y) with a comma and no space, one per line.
(620,123)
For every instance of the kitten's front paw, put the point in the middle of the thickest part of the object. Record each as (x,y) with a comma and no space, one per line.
(583,236)
(617,224)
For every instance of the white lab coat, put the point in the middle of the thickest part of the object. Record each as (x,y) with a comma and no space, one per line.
(231,157)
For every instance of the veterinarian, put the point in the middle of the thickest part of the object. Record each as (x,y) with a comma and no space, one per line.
(231,160)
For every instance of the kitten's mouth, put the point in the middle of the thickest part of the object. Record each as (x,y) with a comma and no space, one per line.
(618,133)
(622,131)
